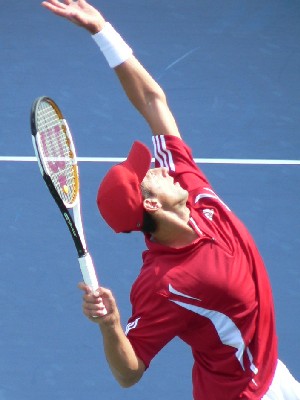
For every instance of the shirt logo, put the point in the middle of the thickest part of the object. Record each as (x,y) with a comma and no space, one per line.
(211,195)
(228,332)
(208,213)
(131,325)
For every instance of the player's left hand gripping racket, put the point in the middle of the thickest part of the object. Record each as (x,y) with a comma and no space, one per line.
(54,148)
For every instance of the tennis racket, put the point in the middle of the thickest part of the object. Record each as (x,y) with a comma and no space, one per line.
(55,152)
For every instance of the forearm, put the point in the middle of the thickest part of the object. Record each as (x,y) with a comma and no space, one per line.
(147,97)
(141,89)
(126,367)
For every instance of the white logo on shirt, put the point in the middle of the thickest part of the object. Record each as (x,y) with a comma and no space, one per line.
(211,195)
(208,213)
(131,325)
(228,332)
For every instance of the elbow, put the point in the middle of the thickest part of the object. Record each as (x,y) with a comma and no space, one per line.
(129,381)
(125,384)
(131,377)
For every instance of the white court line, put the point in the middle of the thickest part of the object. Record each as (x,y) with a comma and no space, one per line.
(197,160)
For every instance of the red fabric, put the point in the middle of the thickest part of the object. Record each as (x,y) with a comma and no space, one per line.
(214,294)
(119,197)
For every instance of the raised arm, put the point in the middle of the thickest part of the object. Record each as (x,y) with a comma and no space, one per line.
(141,89)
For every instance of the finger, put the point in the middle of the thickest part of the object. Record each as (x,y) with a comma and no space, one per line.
(57,8)
(93,311)
(91,308)
(53,4)
(90,297)
(85,288)
(104,292)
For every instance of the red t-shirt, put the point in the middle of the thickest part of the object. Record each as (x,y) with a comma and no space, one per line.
(214,294)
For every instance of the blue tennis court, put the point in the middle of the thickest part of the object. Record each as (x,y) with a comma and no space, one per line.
(231,73)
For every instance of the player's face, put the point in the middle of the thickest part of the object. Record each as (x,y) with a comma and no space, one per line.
(164,188)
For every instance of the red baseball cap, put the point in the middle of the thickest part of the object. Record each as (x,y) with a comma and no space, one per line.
(119,198)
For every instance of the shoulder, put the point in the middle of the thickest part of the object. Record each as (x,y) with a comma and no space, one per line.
(173,153)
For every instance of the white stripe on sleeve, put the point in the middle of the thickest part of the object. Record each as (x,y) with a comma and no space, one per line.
(162,154)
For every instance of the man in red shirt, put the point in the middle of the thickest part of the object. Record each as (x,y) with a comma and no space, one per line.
(202,278)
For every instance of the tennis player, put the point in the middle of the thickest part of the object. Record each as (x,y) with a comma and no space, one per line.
(202,278)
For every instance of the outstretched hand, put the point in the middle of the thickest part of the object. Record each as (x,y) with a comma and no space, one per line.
(79,12)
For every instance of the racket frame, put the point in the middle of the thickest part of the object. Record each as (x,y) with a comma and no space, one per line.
(75,225)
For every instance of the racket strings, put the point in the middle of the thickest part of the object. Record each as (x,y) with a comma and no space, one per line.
(57,153)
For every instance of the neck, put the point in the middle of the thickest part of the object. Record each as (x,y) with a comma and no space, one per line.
(173,229)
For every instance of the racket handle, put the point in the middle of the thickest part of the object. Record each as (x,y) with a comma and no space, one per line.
(88,272)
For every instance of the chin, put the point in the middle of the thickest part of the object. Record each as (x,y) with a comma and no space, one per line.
(185,194)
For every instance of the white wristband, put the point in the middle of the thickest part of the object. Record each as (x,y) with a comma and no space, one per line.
(113,47)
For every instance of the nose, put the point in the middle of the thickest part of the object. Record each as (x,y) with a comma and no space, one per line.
(164,172)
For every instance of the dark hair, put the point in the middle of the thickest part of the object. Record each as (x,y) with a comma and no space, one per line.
(149,223)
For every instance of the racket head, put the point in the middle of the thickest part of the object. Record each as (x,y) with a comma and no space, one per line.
(54,148)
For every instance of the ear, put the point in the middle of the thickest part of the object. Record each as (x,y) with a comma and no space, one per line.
(151,205)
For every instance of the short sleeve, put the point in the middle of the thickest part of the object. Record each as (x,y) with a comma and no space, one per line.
(155,322)
(173,153)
